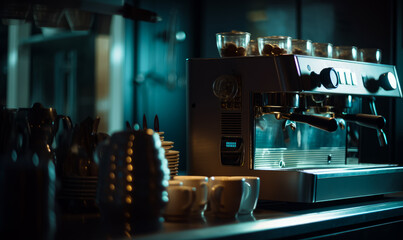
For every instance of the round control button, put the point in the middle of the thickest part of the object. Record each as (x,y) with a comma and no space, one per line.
(388,81)
(329,78)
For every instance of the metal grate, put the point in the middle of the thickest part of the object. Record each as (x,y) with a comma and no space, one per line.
(292,158)
(231,123)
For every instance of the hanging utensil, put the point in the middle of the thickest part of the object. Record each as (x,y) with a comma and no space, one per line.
(128,126)
(156,123)
(144,122)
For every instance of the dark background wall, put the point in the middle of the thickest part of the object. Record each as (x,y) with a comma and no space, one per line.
(3,63)
(160,70)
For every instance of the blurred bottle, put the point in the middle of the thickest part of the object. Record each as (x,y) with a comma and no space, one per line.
(27,190)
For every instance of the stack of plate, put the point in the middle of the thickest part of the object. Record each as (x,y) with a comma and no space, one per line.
(78,188)
(171,155)
(173,161)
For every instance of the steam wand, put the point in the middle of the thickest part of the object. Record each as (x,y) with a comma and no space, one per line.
(383,141)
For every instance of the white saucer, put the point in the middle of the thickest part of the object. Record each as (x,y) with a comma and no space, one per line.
(165,143)
(171,152)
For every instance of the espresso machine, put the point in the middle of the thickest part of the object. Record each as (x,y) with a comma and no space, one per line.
(292,120)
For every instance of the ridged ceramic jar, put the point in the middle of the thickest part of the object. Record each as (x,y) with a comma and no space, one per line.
(133,176)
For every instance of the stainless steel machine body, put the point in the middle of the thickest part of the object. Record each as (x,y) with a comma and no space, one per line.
(285,120)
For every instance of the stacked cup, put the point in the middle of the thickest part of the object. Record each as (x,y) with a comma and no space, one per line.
(200,183)
(228,197)
(233,195)
(181,198)
(187,198)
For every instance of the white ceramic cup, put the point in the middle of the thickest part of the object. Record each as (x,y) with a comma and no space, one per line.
(201,185)
(226,194)
(248,203)
(181,200)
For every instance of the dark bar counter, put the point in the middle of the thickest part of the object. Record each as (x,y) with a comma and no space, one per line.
(363,218)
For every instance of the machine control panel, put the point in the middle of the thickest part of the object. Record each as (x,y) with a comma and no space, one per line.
(354,78)
(232,151)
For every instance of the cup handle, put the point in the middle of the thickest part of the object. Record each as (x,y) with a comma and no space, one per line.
(65,120)
(216,192)
(246,192)
(191,196)
(204,187)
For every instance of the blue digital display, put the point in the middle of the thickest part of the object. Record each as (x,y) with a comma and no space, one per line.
(230,144)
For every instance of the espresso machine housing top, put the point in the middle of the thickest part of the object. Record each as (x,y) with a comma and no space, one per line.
(292,120)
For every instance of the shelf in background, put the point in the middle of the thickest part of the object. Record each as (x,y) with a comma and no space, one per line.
(40,38)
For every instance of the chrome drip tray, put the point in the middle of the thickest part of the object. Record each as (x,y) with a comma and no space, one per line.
(314,168)
(340,168)
(327,183)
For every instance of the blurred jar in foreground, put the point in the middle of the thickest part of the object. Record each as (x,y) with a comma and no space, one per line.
(274,45)
(253,49)
(346,52)
(232,44)
(302,47)
(372,55)
(322,50)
